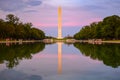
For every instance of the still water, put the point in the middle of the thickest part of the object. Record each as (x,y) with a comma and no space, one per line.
(59,61)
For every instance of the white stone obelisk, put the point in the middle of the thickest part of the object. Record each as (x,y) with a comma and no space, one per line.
(59,22)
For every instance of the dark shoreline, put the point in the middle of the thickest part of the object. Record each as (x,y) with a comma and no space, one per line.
(67,41)
(24,41)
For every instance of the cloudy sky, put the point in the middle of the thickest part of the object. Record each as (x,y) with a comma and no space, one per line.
(75,13)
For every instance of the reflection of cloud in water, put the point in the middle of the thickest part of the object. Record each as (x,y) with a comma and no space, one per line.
(85,76)
(16,75)
(94,75)
(34,77)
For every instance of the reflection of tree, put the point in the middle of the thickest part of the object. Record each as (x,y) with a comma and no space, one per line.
(13,54)
(108,53)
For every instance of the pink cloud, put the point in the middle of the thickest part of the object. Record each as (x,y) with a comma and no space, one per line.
(48,17)
(45,24)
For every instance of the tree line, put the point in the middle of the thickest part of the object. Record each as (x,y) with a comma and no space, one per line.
(108,29)
(12,28)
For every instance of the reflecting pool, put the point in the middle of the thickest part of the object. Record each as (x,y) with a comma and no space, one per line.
(59,61)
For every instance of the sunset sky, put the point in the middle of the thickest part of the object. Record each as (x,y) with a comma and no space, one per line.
(76,13)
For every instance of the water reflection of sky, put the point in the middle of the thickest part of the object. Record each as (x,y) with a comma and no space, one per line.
(44,66)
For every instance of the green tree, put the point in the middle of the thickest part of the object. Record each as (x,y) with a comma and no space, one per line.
(12,19)
(27,28)
(2,29)
(37,34)
(106,29)
(14,29)
(117,33)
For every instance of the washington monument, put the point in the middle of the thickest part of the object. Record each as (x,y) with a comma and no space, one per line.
(59,22)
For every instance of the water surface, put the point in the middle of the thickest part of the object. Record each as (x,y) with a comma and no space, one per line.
(59,61)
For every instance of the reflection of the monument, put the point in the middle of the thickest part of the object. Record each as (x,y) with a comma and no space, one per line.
(59,58)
